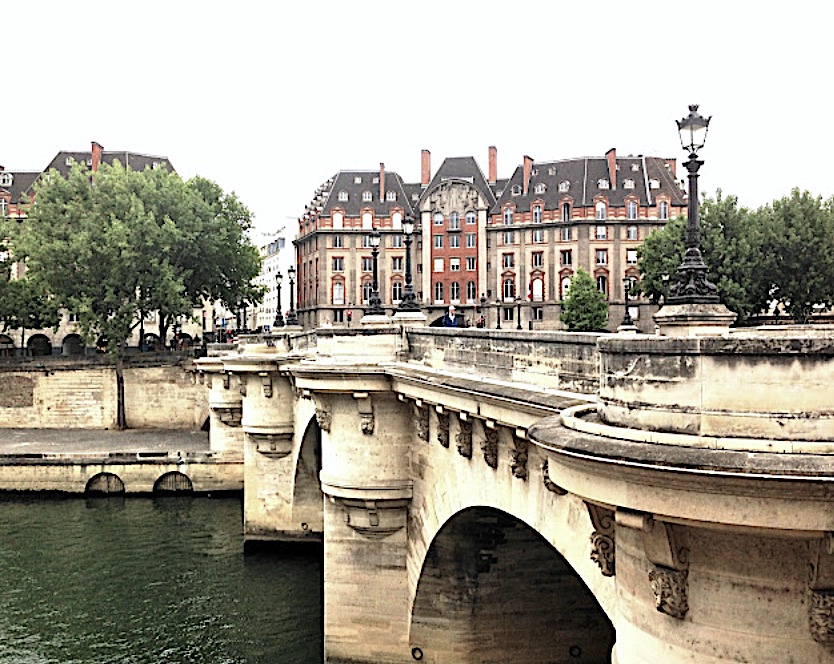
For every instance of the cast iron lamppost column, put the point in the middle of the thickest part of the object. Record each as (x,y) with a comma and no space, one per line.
(518,311)
(292,319)
(483,308)
(692,286)
(279,317)
(374,303)
(408,301)
(499,311)
(627,322)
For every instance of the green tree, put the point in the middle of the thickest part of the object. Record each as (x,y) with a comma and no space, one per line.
(585,309)
(26,305)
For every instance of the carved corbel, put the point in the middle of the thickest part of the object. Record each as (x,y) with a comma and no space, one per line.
(229,415)
(266,381)
(422,416)
(442,426)
(227,379)
(366,412)
(490,444)
(518,455)
(375,519)
(549,484)
(274,445)
(602,539)
(463,439)
(821,590)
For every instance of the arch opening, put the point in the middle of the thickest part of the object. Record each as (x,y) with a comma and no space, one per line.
(39,345)
(105,483)
(73,344)
(173,482)
(493,590)
(308,499)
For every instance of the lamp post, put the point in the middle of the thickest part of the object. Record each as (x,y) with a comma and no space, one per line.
(692,286)
(499,310)
(408,301)
(627,322)
(665,279)
(518,311)
(279,317)
(292,319)
(483,308)
(374,303)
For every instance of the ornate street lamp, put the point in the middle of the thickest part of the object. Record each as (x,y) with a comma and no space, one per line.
(499,311)
(518,312)
(692,286)
(483,307)
(279,317)
(292,319)
(627,322)
(409,300)
(374,303)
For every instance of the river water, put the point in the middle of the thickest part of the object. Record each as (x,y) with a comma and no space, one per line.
(149,580)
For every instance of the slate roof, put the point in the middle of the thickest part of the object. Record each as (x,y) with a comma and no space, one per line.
(21,183)
(462,168)
(133,160)
(346,181)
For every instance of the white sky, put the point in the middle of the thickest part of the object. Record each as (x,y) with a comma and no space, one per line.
(269,99)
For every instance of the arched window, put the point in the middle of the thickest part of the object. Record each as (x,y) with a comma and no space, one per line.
(565,211)
(537,289)
(602,284)
(338,220)
(471,218)
(390,195)
(508,215)
(367,220)
(454,292)
(438,218)
(367,196)
(509,288)
(540,188)
(454,220)
(471,292)
(565,287)
(397,221)
(396,291)
(366,292)
(338,292)
(343,195)
(663,210)
(564,186)
(438,291)
(537,214)
(600,208)
(631,210)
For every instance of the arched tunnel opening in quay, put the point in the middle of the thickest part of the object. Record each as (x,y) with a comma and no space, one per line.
(493,590)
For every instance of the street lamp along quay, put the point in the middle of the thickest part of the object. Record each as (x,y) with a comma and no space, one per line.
(292,319)
(374,302)
(408,301)
(279,317)
(627,321)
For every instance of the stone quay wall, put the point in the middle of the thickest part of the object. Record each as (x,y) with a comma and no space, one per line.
(80,393)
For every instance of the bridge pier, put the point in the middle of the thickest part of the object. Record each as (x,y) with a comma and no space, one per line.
(225,407)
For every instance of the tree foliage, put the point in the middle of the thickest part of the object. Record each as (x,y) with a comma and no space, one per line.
(585,308)
(757,258)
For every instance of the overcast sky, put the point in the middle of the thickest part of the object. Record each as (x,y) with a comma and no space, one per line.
(270,99)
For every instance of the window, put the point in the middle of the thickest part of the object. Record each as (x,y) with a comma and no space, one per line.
(628,183)
(538,235)
(471,240)
(540,188)
(537,214)
(565,257)
(508,314)
(454,241)
(516,190)
(471,292)
(471,218)
(471,262)
(601,232)
(631,210)
(454,264)
(366,241)
(537,290)
(454,221)
(438,241)
(654,184)
(564,186)
(508,216)
(357,180)
(367,220)
(509,289)
(397,264)
(396,291)
(397,221)
(367,196)
(396,241)
(538,313)
(565,211)
(338,264)
(338,292)
(339,315)
(631,233)
(565,287)
(663,210)
(602,183)
(338,242)
(602,256)
(602,285)
(438,265)
(508,261)
(438,291)
(454,292)
(390,195)
(509,237)
(538,259)
(338,220)
(438,218)
(366,292)
(343,195)
(566,234)
(600,210)
(631,256)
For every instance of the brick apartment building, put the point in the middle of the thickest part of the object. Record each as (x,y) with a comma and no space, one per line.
(512,244)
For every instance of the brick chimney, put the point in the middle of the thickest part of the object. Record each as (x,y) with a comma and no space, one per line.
(381,181)
(672,164)
(493,164)
(96,154)
(528,171)
(425,168)
(612,167)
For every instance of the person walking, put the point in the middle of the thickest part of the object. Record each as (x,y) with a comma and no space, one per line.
(449,318)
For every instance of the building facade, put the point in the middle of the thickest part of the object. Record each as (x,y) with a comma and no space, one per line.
(502,249)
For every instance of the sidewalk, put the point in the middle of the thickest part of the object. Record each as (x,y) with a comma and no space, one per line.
(64,441)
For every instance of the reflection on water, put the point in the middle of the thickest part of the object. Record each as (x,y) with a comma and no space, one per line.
(149,580)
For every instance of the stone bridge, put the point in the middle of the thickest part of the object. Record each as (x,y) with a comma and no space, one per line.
(497,496)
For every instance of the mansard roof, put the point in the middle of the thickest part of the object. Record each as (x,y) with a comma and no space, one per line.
(21,182)
(356,183)
(133,160)
(461,168)
(583,177)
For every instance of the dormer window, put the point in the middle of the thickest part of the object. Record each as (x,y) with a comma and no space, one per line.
(654,183)
(564,186)
(415,197)
(635,168)
(516,190)
(508,216)
(541,188)
(600,210)
(376,180)
(343,195)
(390,195)
(663,210)
(551,170)
(628,184)
(537,214)
(357,180)
(6,179)
(602,183)
(367,196)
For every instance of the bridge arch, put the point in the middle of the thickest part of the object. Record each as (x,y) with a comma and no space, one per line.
(39,345)
(173,482)
(308,499)
(105,483)
(72,344)
(504,593)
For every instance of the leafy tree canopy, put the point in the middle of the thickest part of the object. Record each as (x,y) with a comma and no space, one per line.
(585,309)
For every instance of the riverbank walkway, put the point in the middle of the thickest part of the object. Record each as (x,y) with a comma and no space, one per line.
(100,441)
